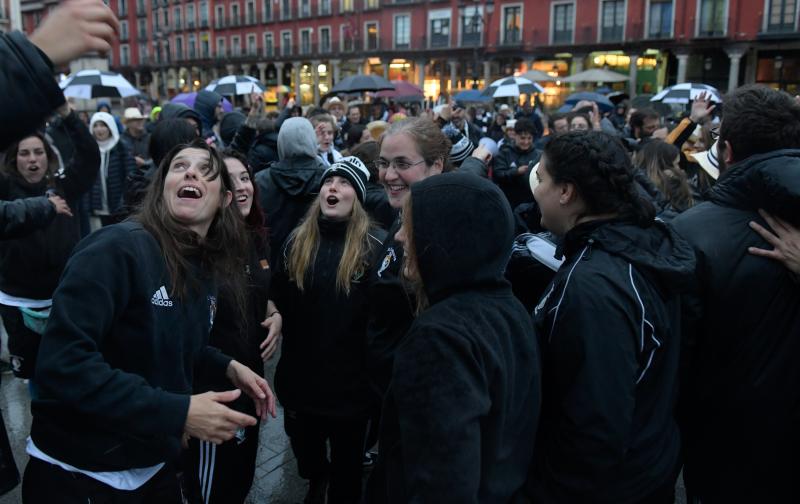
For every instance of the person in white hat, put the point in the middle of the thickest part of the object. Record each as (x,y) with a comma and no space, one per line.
(135,137)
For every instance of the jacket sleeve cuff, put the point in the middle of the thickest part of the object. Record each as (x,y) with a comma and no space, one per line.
(175,408)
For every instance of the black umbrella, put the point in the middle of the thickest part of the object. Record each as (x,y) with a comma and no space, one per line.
(360,83)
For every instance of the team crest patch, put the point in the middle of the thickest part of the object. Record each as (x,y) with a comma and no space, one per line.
(387,261)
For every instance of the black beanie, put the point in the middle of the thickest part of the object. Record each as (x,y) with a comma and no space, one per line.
(354,170)
(229,125)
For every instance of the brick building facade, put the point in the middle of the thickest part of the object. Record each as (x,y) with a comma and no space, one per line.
(302,47)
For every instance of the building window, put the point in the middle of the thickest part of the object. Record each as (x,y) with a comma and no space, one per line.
(252,45)
(512,24)
(166,19)
(122,8)
(123,30)
(140,8)
(142,28)
(346,6)
(204,13)
(712,18)
(178,48)
(251,13)
(781,15)
(325,40)
(440,32)
(155,22)
(221,52)
(324,7)
(235,19)
(124,55)
(205,46)
(371,4)
(286,43)
(471,26)
(219,17)
(236,46)
(167,53)
(144,56)
(286,9)
(612,20)
(269,45)
(346,37)
(660,19)
(371,29)
(402,31)
(305,8)
(192,47)
(305,41)
(563,21)
(176,17)
(190,16)
(266,12)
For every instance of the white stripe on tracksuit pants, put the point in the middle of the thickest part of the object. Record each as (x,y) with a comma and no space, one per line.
(205,475)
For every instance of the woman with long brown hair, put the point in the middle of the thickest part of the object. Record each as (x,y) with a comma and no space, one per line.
(320,288)
(129,325)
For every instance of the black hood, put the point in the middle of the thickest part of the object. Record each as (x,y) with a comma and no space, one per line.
(769,181)
(205,104)
(657,251)
(298,175)
(463,231)
(179,111)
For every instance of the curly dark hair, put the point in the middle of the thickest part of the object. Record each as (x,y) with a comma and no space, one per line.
(599,167)
(759,119)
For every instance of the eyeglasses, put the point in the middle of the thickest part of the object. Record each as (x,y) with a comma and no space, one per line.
(398,164)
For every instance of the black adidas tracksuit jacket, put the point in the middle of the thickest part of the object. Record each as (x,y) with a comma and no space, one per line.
(116,362)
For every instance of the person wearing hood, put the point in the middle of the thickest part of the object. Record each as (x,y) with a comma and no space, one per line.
(208,105)
(116,163)
(181,111)
(609,330)
(461,410)
(513,163)
(739,402)
(104,106)
(288,187)
(32,262)
(320,378)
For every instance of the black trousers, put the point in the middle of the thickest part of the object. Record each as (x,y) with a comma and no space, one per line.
(221,473)
(45,483)
(309,436)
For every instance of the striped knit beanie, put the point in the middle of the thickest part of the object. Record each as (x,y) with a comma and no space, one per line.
(354,171)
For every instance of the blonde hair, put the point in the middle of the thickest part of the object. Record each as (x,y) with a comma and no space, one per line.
(304,244)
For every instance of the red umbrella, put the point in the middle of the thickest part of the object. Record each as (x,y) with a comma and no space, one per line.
(401,88)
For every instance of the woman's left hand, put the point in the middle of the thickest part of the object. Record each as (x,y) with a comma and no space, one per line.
(273,324)
(253,385)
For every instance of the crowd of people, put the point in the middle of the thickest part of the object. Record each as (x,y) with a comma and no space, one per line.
(477,304)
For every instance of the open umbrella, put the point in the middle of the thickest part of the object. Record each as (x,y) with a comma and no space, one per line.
(686,92)
(360,83)
(88,84)
(402,90)
(235,85)
(472,95)
(603,103)
(512,86)
(596,75)
(189,98)
(538,75)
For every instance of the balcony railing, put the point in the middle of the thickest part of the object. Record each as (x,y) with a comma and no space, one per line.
(511,38)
